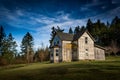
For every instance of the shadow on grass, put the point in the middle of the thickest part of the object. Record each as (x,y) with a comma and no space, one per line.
(93,70)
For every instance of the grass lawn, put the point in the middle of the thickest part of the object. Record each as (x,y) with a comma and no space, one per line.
(80,70)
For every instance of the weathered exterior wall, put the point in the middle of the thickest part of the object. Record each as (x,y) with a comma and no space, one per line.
(85,51)
(74,51)
(99,53)
(77,50)
(53,56)
(66,51)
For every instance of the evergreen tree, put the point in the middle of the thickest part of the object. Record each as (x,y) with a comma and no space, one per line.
(115,30)
(82,28)
(108,24)
(77,30)
(89,25)
(10,49)
(27,47)
(70,30)
(12,44)
(58,29)
(2,40)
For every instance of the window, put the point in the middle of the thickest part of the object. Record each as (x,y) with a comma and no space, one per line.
(86,40)
(57,52)
(86,54)
(57,42)
(86,49)
(51,54)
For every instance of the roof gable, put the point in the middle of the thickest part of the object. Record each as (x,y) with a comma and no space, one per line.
(78,35)
(72,37)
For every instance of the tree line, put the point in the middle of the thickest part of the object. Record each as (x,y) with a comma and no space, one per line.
(105,34)
(10,55)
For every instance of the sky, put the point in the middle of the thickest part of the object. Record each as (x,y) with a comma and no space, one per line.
(39,16)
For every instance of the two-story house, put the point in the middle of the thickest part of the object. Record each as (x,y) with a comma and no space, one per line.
(66,47)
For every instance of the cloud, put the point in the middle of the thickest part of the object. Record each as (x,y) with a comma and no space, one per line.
(39,25)
(19,13)
(107,16)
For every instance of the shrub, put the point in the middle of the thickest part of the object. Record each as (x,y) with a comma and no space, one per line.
(3,61)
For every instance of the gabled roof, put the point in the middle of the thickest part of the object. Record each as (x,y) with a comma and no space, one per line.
(72,37)
(65,36)
(78,35)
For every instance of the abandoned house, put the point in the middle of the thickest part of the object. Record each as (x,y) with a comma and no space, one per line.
(67,47)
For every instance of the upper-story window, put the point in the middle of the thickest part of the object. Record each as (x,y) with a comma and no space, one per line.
(57,42)
(86,40)
(86,49)
(57,52)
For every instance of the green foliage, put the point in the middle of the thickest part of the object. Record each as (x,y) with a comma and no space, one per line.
(7,47)
(70,30)
(77,29)
(2,40)
(106,35)
(27,47)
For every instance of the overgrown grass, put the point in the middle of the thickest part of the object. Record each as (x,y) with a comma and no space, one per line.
(80,70)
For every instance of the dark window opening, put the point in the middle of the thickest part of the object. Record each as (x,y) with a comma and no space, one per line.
(86,40)
(52,54)
(57,42)
(57,52)
(54,43)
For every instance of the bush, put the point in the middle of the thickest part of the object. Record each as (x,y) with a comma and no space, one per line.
(3,61)
(19,61)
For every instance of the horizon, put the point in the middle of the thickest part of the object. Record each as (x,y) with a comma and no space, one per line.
(39,16)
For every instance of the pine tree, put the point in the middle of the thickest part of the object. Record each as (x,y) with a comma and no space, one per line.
(10,48)
(70,30)
(77,30)
(12,44)
(89,25)
(82,28)
(27,47)
(2,40)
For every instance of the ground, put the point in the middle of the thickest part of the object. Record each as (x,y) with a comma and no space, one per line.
(80,70)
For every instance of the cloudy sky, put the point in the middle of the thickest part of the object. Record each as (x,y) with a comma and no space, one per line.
(38,16)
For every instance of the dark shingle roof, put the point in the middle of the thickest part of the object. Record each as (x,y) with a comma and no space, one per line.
(65,36)
(72,37)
